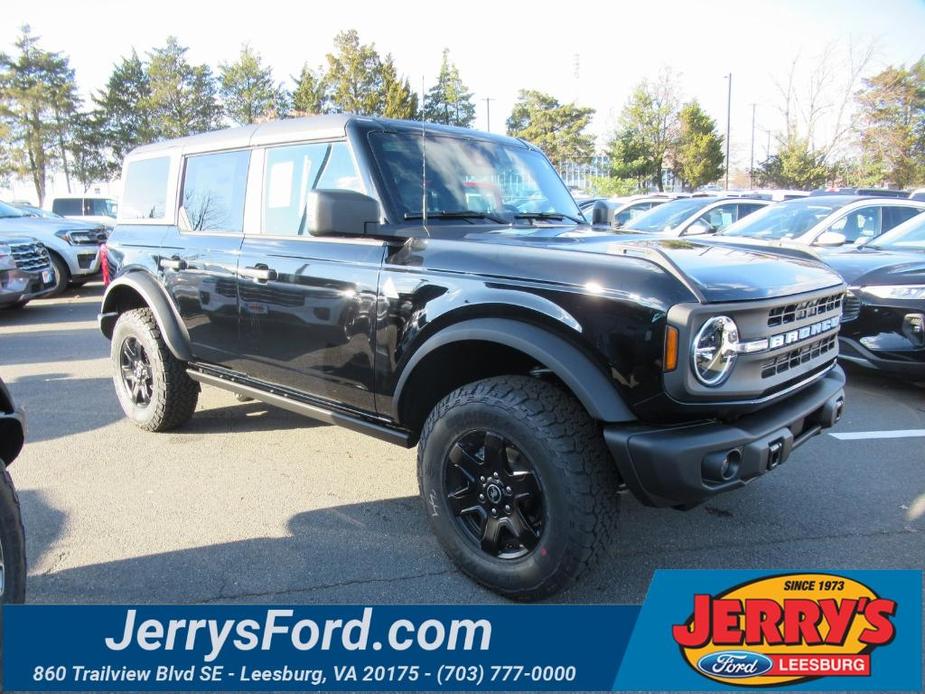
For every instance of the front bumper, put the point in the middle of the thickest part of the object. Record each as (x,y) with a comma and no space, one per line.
(17,285)
(910,364)
(685,465)
(87,260)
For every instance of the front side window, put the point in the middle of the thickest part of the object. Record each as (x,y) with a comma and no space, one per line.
(719,217)
(863,223)
(461,176)
(144,191)
(213,191)
(291,173)
(72,207)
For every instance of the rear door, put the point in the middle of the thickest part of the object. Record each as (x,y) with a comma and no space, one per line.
(308,304)
(199,257)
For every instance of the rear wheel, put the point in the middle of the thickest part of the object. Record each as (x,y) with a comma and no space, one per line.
(517,484)
(152,385)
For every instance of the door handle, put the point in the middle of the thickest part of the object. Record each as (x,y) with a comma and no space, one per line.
(172,264)
(261,273)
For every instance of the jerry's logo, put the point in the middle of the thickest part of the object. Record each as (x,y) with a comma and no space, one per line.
(786,629)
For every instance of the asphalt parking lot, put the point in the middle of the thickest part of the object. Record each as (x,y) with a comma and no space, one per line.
(253,504)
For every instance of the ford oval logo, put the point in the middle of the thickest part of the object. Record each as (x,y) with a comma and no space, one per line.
(735,664)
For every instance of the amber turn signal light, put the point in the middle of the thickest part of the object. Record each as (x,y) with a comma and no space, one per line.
(671,349)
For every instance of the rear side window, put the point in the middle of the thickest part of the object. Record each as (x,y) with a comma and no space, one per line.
(144,194)
(68,207)
(292,172)
(894,216)
(213,191)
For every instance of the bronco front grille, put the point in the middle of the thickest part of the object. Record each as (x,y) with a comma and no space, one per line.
(790,313)
(796,357)
(30,257)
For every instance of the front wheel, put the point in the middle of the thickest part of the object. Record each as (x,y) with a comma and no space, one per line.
(12,543)
(62,274)
(517,484)
(152,385)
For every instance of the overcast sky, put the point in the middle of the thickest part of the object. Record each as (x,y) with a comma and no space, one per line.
(591,52)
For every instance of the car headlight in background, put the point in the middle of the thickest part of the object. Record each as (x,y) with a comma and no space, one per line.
(897,291)
(714,350)
(81,237)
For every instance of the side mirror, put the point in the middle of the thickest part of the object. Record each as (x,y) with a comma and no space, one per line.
(699,229)
(341,212)
(830,238)
(599,214)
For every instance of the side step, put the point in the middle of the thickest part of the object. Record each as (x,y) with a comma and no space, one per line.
(397,436)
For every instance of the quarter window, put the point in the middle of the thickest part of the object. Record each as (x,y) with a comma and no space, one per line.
(144,194)
(213,191)
(292,172)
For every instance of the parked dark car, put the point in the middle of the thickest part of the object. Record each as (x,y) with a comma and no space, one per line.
(12,537)
(883,320)
(695,216)
(539,366)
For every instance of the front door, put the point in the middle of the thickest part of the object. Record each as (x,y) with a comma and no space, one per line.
(308,304)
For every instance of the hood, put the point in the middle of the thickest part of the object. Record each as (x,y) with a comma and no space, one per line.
(717,273)
(41,225)
(15,238)
(870,266)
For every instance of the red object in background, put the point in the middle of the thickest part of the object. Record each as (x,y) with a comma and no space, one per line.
(104,264)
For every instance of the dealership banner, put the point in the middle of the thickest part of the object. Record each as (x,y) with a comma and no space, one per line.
(696,630)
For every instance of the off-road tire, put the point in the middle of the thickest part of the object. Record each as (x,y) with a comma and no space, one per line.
(174,393)
(13,541)
(62,274)
(566,449)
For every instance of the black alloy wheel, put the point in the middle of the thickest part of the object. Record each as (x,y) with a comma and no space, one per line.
(137,374)
(495,494)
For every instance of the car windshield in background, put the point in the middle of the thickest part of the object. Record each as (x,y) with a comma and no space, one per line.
(474,180)
(785,220)
(8,211)
(667,216)
(907,236)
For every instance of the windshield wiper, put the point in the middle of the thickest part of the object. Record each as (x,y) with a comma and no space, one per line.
(456,214)
(547,215)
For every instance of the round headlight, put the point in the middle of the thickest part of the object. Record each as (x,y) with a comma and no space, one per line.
(714,350)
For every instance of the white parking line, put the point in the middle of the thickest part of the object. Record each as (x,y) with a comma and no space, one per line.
(896,434)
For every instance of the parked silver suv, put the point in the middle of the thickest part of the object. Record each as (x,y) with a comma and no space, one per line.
(26,272)
(74,247)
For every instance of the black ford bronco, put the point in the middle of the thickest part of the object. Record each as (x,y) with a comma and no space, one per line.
(439,287)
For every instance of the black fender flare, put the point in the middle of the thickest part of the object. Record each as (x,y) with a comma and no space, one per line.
(154,296)
(583,377)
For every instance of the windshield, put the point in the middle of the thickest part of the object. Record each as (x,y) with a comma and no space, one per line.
(667,216)
(7,211)
(494,181)
(786,220)
(908,235)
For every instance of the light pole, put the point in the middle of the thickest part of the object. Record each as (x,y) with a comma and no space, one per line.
(728,124)
(488,101)
(751,166)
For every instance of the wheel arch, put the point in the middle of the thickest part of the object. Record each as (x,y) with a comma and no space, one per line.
(517,344)
(140,290)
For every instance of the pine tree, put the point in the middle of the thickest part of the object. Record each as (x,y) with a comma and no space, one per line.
(248,90)
(123,113)
(557,129)
(309,96)
(354,76)
(698,154)
(183,96)
(38,102)
(449,101)
(399,100)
